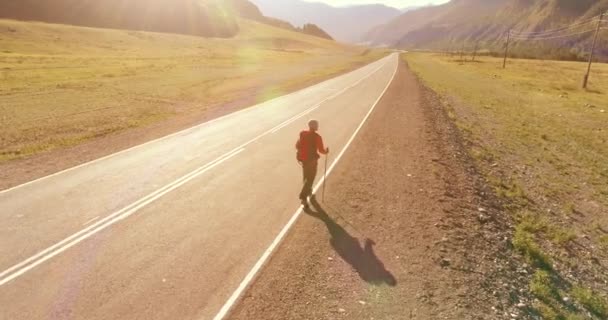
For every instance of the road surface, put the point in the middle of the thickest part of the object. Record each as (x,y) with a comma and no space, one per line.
(174,228)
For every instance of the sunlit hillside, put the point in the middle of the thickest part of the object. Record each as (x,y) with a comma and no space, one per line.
(62,85)
(194,17)
(484,23)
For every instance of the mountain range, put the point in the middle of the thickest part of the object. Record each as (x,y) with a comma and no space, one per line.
(347,24)
(454,25)
(485,22)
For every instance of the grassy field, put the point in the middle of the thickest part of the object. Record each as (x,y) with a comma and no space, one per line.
(542,143)
(64,85)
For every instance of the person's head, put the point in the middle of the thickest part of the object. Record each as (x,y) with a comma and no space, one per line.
(313,125)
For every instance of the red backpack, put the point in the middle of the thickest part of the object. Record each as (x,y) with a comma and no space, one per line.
(306,146)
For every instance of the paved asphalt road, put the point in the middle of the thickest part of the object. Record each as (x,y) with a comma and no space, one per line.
(169,229)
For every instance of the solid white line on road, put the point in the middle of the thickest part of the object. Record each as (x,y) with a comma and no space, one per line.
(292,120)
(286,123)
(298,116)
(275,100)
(108,221)
(260,263)
(90,221)
(50,252)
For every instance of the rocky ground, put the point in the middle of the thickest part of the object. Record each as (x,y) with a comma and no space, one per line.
(408,230)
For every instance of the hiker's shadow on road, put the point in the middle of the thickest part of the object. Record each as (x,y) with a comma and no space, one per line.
(362,258)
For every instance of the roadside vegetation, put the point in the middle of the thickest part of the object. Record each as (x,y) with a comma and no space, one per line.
(64,85)
(541,142)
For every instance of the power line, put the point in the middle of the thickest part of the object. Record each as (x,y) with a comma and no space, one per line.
(555,33)
(557,30)
(532,38)
(572,26)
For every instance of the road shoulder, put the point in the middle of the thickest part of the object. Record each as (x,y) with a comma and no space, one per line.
(407,229)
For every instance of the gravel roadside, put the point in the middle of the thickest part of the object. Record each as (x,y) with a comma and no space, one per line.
(407,229)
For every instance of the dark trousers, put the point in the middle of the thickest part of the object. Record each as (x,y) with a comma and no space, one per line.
(309,170)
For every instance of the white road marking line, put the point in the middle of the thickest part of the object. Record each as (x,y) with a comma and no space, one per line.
(260,263)
(48,253)
(275,100)
(305,112)
(292,119)
(288,122)
(28,264)
(90,221)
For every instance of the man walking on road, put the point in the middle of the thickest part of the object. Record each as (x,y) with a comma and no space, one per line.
(308,145)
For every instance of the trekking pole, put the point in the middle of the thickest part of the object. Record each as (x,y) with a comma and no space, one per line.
(324,180)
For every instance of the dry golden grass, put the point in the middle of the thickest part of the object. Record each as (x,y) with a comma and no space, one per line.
(542,142)
(63,85)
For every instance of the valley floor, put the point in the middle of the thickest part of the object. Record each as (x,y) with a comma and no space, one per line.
(72,95)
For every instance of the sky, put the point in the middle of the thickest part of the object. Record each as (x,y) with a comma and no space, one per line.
(393,3)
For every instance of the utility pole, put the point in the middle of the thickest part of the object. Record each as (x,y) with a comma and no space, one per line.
(462,53)
(451,47)
(597,31)
(504,63)
(475,51)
